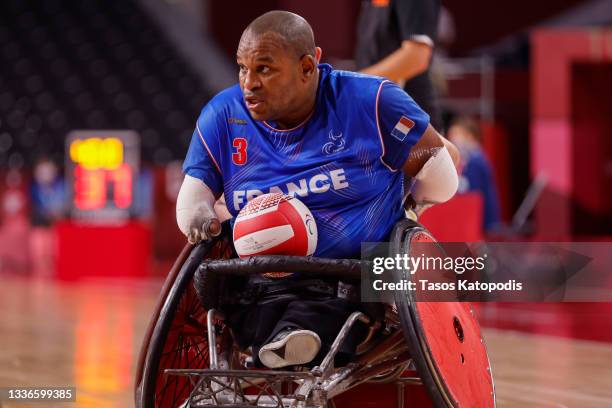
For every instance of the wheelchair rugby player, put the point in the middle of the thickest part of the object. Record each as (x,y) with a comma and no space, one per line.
(341,143)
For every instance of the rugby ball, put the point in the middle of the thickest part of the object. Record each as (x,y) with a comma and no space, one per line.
(275,224)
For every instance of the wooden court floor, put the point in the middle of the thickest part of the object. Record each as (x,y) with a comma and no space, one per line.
(88,335)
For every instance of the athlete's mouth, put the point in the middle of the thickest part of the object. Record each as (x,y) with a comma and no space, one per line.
(253,102)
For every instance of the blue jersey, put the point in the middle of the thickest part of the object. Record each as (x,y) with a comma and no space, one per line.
(479,176)
(343,162)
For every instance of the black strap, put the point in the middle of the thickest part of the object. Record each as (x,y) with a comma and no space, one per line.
(260,290)
(305,265)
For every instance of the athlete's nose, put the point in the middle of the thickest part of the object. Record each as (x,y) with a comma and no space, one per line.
(251,81)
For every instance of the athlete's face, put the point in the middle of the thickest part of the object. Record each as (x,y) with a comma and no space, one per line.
(272,78)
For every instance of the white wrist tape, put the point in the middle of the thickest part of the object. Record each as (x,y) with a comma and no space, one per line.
(194,208)
(437,181)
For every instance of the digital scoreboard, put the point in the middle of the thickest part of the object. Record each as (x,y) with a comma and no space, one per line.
(102,172)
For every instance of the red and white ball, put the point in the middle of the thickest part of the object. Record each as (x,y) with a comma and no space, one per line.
(275,224)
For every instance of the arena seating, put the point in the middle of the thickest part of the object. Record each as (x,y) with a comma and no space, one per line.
(90,64)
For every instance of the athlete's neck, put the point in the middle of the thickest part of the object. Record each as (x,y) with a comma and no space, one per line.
(305,108)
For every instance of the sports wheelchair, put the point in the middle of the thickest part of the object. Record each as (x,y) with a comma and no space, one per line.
(188,357)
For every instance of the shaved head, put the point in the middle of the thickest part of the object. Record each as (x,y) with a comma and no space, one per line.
(278,68)
(292,31)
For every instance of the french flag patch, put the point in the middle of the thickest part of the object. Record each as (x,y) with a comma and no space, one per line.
(402,128)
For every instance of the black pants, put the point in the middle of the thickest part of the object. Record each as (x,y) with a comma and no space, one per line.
(256,324)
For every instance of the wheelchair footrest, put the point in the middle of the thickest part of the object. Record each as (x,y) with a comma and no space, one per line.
(243,388)
(293,375)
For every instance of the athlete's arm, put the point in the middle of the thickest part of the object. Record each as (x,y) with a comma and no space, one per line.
(432,163)
(412,145)
(408,61)
(195,212)
(430,142)
(203,183)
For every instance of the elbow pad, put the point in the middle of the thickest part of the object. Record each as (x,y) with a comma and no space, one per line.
(437,181)
(195,209)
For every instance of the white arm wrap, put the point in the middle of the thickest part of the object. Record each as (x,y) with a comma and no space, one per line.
(194,205)
(437,181)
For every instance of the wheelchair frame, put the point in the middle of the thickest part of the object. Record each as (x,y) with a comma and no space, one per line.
(207,376)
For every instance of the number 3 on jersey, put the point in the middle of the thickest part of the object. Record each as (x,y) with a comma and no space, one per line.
(239,157)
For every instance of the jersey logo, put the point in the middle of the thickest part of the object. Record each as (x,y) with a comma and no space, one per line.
(335,145)
(317,184)
(402,128)
(239,157)
(236,121)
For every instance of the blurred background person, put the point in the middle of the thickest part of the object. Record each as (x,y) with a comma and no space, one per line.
(476,171)
(395,39)
(14,226)
(47,196)
(47,193)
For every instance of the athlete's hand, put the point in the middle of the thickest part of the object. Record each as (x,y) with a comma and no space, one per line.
(409,203)
(414,210)
(202,223)
(412,215)
(195,213)
(203,230)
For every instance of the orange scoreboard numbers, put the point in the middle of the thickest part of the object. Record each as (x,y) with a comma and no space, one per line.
(102,169)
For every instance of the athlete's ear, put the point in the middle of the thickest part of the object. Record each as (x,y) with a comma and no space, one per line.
(318,54)
(309,66)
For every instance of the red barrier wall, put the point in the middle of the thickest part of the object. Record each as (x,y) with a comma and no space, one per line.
(457,220)
(103,251)
(563,148)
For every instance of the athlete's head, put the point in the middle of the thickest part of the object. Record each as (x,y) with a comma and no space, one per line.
(277,59)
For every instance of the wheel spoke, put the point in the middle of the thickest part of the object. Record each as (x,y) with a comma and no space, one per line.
(185,343)
(190,350)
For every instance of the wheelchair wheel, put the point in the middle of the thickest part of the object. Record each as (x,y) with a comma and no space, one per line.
(177,336)
(443,338)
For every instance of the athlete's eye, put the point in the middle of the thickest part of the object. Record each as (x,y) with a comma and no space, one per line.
(242,68)
(263,69)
